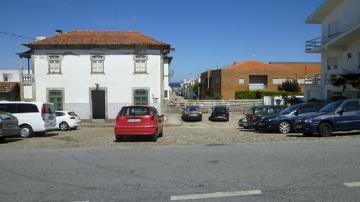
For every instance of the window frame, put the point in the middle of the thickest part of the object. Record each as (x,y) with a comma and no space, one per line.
(147,96)
(62,98)
(145,59)
(102,59)
(59,59)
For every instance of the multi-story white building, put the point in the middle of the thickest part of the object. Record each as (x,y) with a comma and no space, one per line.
(339,46)
(95,73)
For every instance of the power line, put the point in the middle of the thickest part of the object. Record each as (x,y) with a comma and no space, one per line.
(16,35)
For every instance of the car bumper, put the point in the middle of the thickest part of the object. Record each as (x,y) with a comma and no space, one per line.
(192,118)
(262,126)
(305,128)
(9,132)
(219,118)
(143,130)
(75,124)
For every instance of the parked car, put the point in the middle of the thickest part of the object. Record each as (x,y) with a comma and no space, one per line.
(33,117)
(284,122)
(9,125)
(254,114)
(242,121)
(66,120)
(191,113)
(219,113)
(138,120)
(341,115)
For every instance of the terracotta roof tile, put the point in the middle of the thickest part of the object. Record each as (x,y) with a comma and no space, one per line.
(7,87)
(98,38)
(274,67)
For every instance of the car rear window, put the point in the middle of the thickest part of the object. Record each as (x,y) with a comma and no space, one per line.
(135,111)
(72,114)
(220,109)
(49,109)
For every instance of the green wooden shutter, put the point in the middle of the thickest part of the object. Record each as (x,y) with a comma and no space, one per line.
(56,97)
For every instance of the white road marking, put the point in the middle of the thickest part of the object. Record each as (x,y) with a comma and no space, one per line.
(215,195)
(352,184)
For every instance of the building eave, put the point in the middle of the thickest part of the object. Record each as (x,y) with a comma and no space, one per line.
(317,16)
(162,47)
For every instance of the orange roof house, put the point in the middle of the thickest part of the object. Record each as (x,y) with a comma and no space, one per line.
(253,75)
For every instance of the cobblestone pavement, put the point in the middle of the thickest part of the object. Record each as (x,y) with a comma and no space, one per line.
(205,132)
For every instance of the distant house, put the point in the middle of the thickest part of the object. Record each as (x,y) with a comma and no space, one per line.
(9,84)
(95,73)
(339,46)
(253,75)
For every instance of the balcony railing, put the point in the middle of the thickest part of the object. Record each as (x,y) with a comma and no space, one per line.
(313,44)
(26,79)
(311,80)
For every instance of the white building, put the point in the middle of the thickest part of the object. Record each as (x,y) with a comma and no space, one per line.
(339,46)
(9,75)
(96,73)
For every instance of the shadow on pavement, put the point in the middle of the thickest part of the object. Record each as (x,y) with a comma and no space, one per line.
(9,140)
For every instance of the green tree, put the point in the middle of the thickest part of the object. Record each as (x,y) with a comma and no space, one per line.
(290,86)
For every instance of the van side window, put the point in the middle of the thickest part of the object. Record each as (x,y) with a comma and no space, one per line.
(27,108)
(11,108)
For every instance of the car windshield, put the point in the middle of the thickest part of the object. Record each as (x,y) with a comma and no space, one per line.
(220,109)
(290,109)
(192,109)
(250,111)
(331,107)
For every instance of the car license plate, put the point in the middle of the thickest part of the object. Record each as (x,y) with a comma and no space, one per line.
(134,120)
(11,125)
(193,115)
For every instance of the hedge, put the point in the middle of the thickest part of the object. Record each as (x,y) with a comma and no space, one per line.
(244,94)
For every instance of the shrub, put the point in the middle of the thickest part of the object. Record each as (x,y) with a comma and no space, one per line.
(289,86)
(245,94)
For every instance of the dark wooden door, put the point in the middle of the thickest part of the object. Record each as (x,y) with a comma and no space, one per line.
(98,104)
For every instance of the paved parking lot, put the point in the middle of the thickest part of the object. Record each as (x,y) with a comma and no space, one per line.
(176,133)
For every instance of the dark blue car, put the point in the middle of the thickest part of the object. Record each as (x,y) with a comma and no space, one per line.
(285,121)
(337,116)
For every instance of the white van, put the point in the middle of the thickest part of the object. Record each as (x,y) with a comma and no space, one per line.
(34,117)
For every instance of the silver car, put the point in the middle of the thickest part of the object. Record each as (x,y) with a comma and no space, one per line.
(9,125)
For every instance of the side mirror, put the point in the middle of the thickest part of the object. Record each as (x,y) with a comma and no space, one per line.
(341,111)
(297,112)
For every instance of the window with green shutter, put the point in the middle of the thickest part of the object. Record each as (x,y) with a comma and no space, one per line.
(141,97)
(56,97)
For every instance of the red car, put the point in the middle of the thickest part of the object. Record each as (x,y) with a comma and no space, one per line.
(138,120)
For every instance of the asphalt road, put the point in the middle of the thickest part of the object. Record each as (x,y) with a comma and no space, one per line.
(275,171)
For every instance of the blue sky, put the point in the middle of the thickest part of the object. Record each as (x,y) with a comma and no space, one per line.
(205,33)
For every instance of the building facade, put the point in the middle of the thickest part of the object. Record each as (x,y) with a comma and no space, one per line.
(254,75)
(95,73)
(339,46)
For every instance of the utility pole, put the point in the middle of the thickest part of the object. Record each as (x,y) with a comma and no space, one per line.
(198,83)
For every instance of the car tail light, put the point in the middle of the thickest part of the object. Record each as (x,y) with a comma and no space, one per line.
(1,125)
(73,117)
(253,117)
(43,112)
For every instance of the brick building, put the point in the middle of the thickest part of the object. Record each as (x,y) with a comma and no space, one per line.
(254,75)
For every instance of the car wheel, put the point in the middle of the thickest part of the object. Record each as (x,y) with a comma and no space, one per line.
(63,126)
(26,131)
(119,138)
(325,129)
(284,127)
(154,138)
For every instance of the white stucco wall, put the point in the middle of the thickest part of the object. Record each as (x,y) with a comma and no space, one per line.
(76,79)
